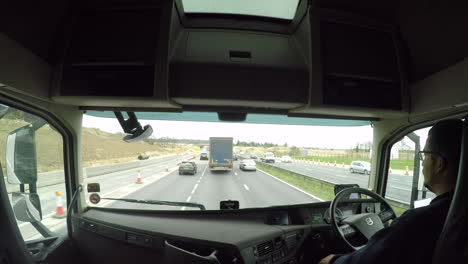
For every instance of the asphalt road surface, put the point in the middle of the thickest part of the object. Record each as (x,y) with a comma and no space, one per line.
(250,188)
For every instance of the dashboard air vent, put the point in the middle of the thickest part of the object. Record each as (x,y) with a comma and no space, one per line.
(265,248)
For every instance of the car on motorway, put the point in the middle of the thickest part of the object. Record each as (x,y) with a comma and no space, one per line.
(286,159)
(204,156)
(253,156)
(188,167)
(248,164)
(363,167)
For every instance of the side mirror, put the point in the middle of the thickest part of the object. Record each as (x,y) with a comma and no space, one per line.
(21,162)
(27,207)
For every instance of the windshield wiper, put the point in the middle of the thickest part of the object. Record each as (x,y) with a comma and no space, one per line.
(201,206)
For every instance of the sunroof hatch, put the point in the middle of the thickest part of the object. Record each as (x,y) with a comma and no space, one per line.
(280,9)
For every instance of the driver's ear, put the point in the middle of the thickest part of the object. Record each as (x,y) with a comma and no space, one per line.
(441,164)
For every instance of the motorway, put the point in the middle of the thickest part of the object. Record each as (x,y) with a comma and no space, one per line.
(250,188)
(161,181)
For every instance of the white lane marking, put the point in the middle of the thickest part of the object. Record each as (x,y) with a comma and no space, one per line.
(203,174)
(194,188)
(246,187)
(235,173)
(292,186)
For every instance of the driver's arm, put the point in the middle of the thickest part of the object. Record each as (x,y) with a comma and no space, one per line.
(329,259)
(374,251)
(393,244)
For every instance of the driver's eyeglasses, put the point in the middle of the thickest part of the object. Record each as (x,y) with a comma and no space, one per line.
(423,154)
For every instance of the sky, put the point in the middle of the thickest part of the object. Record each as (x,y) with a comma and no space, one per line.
(293,135)
(422,133)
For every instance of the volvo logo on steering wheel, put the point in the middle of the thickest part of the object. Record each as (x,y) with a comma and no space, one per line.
(369,221)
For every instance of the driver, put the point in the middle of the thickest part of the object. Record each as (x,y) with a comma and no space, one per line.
(412,237)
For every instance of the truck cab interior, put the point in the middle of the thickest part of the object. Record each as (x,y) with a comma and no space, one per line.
(396,66)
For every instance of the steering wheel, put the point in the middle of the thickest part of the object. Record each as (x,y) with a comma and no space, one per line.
(366,224)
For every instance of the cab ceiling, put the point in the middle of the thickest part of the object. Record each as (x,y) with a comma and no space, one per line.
(435,31)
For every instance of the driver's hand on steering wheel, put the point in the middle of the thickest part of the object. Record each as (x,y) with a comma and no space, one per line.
(327,259)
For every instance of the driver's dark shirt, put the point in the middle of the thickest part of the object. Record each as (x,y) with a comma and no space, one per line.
(411,238)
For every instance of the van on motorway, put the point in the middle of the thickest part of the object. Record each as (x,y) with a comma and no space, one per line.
(269,157)
(204,156)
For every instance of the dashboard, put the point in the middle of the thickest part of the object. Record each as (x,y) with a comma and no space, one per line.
(285,234)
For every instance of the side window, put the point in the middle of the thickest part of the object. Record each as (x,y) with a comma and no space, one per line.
(405,183)
(31,156)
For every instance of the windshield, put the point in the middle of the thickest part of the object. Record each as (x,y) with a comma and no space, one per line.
(171,165)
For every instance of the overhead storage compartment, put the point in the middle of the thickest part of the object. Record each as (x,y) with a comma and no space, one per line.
(219,68)
(357,64)
(360,65)
(112,52)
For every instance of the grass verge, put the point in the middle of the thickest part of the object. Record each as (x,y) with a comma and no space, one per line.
(321,189)
(315,187)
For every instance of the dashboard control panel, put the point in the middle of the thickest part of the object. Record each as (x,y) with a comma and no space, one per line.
(278,250)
